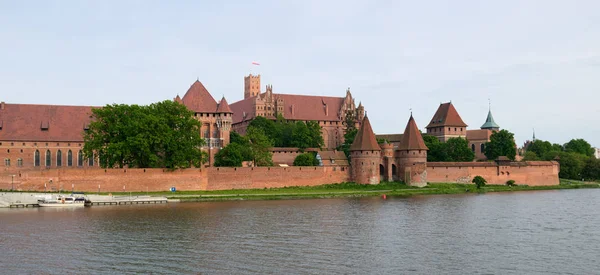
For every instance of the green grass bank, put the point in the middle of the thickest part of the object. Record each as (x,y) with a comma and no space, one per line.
(393,189)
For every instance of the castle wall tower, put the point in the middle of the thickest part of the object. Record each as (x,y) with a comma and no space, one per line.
(365,155)
(251,85)
(412,156)
(447,123)
(388,162)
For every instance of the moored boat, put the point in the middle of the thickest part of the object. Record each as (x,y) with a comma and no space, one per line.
(62,201)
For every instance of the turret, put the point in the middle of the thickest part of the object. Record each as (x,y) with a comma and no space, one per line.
(490,124)
(251,86)
(412,156)
(365,155)
(387,160)
(360,112)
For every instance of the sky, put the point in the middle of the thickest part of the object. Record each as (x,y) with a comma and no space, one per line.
(537,62)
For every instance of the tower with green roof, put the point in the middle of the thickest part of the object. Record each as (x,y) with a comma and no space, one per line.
(490,124)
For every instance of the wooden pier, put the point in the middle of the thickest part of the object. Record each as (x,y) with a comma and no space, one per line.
(125,202)
(23,205)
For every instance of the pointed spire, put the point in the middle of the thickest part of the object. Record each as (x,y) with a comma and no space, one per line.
(223,107)
(490,124)
(412,139)
(533,134)
(365,138)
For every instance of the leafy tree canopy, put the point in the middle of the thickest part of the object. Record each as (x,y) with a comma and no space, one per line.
(161,135)
(289,134)
(579,146)
(306,159)
(349,133)
(454,149)
(530,156)
(540,147)
(502,143)
(572,165)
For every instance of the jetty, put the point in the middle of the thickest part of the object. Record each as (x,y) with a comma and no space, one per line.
(27,199)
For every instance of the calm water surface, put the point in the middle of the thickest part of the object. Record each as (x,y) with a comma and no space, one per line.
(546,232)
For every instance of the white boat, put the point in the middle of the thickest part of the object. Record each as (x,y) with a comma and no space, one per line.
(62,201)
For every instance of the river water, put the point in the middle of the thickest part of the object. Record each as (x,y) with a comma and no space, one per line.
(542,232)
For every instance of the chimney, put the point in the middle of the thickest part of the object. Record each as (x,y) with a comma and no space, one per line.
(292,109)
(326,110)
(2,105)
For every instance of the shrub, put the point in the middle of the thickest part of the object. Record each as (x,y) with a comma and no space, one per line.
(306,159)
(510,183)
(479,181)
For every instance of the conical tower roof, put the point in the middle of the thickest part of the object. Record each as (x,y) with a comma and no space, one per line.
(223,107)
(365,138)
(412,139)
(198,99)
(490,123)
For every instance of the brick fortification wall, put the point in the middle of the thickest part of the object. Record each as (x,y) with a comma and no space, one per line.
(532,173)
(113,180)
(222,178)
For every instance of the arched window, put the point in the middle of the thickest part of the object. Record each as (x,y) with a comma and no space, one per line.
(48,158)
(473,148)
(20,162)
(482,148)
(59,158)
(36,158)
(80,158)
(69,158)
(91,161)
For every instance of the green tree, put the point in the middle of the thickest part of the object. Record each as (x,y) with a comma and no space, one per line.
(437,149)
(591,169)
(301,136)
(539,147)
(530,156)
(572,165)
(163,134)
(579,146)
(306,159)
(502,143)
(458,150)
(314,131)
(260,145)
(230,156)
(350,132)
(557,147)
(479,181)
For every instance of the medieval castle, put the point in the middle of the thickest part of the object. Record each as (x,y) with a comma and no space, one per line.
(46,137)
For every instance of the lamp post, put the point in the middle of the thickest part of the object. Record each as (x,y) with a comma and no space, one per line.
(12,184)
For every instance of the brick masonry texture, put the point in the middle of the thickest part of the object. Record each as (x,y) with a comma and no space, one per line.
(213,178)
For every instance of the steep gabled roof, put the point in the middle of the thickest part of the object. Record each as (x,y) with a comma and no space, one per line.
(199,100)
(446,115)
(223,107)
(365,138)
(28,122)
(412,139)
(489,122)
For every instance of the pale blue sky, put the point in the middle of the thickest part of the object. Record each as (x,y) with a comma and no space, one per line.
(538,61)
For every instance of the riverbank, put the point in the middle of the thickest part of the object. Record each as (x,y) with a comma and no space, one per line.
(390,189)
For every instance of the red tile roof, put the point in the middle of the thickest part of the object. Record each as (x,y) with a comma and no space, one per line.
(24,122)
(412,139)
(199,100)
(446,115)
(365,138)
(296,107)
(477,135)
(223,107)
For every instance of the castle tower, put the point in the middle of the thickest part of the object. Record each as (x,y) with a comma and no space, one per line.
(365,155)
(446,123)
(251,85)
(490,124)
(388,161)
(412,156)
(360,112)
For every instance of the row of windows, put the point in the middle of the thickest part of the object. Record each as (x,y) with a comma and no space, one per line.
(449,129)
(35,144)
(48,159)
